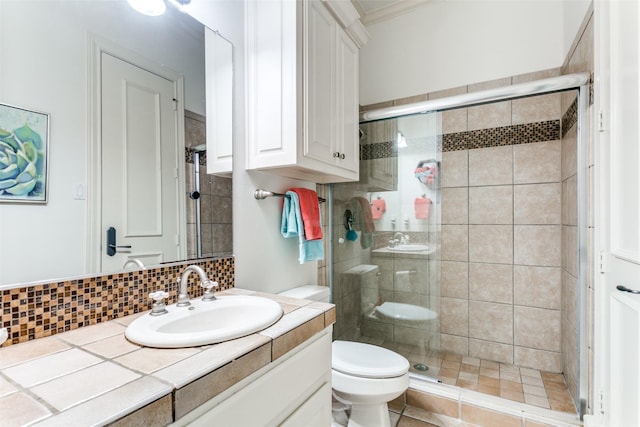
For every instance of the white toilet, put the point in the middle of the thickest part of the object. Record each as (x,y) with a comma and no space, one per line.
(363,376)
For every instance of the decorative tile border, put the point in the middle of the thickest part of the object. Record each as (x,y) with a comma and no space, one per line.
(42,310)
(501,136)
(570,117)
(378,150)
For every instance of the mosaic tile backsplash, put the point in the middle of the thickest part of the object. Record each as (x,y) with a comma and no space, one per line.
(42,310)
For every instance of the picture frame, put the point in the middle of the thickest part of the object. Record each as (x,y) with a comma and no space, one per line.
(24,155)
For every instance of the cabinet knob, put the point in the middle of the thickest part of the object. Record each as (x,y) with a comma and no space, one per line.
(338,155)
(342,156)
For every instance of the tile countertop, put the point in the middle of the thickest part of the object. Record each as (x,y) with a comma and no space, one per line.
(94,376)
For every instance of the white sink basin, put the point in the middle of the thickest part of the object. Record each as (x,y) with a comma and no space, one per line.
(202,323)
(409,248)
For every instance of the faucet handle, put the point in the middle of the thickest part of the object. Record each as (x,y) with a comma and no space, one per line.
(158,296)
(208,293)
(158,307)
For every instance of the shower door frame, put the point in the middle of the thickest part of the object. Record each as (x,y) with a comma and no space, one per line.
(581,83)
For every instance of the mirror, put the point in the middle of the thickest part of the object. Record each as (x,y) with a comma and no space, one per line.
(45,66)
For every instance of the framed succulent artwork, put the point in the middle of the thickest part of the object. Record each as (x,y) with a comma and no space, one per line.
(24,155)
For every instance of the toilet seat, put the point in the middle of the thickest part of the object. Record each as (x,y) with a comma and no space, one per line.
(367,361)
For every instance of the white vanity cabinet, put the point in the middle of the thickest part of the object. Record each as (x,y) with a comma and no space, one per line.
(293,391)
(302,89)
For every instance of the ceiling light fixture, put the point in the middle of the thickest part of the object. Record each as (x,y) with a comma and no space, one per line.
(401,140)
(154,7)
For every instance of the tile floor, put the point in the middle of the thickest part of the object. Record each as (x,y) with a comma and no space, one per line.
(532,386)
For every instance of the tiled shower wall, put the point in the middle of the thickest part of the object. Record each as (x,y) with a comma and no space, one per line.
(501,230)
(216,213)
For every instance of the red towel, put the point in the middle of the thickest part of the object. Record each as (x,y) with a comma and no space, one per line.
(378,207)
(422,205)
(310,211)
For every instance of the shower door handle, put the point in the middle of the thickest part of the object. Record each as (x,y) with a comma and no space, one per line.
(112,248)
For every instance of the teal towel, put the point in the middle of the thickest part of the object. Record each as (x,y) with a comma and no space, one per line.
(292,226)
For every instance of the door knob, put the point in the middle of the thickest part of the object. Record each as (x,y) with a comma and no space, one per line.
(112,248)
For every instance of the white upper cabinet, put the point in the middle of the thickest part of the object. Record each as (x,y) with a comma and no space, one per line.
(219,87)
(302,89)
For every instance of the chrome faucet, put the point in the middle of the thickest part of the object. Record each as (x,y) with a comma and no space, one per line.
(183,296)
(404,239)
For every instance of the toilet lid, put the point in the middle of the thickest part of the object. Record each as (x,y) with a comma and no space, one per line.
(408,312)
(366,360)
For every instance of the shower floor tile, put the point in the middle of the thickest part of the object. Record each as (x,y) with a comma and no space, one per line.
(532,386)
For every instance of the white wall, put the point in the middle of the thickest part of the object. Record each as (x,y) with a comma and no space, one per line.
(451,43)
(43,66)
(263,259)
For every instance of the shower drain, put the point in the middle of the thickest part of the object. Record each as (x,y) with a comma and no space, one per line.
(420,367)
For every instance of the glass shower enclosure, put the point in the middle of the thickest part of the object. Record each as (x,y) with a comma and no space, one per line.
(462,245)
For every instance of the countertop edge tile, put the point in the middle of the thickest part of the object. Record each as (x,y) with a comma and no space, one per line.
(302,319)
(112,405)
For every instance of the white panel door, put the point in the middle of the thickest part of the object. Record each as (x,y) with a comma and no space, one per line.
(619,104)
(139,164)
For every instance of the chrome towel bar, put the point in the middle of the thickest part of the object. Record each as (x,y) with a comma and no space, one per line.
(261,194)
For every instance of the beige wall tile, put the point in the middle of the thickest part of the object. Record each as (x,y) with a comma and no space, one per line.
(491,283)
(537,245)
(454,316)
(455,205)
(455,169)
(491,166)
(570,249)
(486,417)
(540,359)
(491,322)
(455,243)
(536,75)
(489,116)
(569,153)
(537,286)
(454,121)
(537,328)
(454,344)
(491,205)
(455,279)
(490,350)
(536,109)
(537,203)
(570,201)
(536,162)
(491,243)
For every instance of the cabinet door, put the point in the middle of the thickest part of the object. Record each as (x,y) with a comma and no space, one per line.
(320,83)
(347,106)
(315,412)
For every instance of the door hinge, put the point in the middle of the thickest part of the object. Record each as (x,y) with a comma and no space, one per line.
(603,262)
(177,240)
(176,173)
(175,104)
(600,121)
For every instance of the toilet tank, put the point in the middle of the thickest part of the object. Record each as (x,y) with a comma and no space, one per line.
(310,292)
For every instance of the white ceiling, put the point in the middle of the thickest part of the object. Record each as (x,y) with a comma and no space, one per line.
(372,11)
